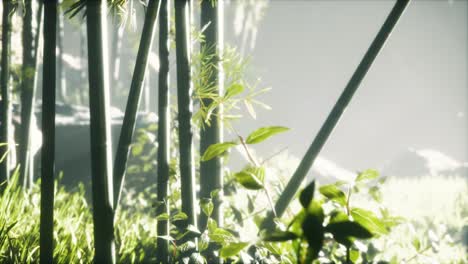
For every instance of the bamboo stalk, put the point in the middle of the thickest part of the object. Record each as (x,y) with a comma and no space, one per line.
(133,101)
(48,134)
(101,154)
(164,137)
(28,90)
(61,80)
(337,111)
(6,91)
(211,177)
(185,106)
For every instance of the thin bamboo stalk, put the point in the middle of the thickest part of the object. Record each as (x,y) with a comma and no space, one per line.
(6,91)
(133,101)
(164,136)
(101,154)
(28,90)
(211,177)
(48,134)
(185,107)
(337,111)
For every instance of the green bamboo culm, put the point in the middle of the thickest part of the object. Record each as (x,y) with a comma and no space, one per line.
(185,108)
(101,164)
(164,137)
(211,177)
(28,89)
(61,80)
(133,101)
(48,134)
(337,111)
(5,90)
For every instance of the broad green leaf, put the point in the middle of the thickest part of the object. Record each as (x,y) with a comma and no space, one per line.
(278,236)
(222,236)
(162,217)
(333,193)
(367,175)
(354,255)
(179,216)
(216,150)
(369,220)
(307,195)
(263,133)
(232,249)
(233,90)
(251,178)
(212,225)
(338,216)
(313,231)
(348,229)
(207,206)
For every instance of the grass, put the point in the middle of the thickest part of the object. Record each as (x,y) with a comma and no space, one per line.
(436,210)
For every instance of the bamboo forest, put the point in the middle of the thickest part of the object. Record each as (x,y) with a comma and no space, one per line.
(234,131)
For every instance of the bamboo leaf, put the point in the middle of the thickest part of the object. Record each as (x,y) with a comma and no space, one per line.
(307,195)
(369,220)
(216,150)
(251,178)
(263,133)
(333,193)
(233,90)
(367,175)
(348,229)
(207,206)
(232,249)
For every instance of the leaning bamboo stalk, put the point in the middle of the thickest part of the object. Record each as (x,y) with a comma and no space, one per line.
(6,91)
(101,154)
(211,177)
(48,134)
(164,137)
(185,106)
(28,90)
(337,111)
(133,101)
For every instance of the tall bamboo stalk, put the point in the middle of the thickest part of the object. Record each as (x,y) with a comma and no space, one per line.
(61,80)
(48,134)
(185,107)
(337,111)
(162,254)
(211,177)
(117,35)
(6,93)
(101,154)
(128,126)
(28,89)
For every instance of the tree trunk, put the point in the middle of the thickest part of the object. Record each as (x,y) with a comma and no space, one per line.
(211,177)
(48,134)
(6,92)
(128,126)
(337,111)
(28,90)
(162,254)
(184,100)
(101,154)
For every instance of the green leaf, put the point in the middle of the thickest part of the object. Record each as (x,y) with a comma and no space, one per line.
(234,90)
(313,231)
(338,216)
(232,249)
(162,217)
(222,236)
(263,133)
(251,178)
(348,229)
(369,220)
(137,149)
(367,175)
(278,236)
(354,255)
(307,195)
(207,206)
(216,150)
(179,216)
(333,193)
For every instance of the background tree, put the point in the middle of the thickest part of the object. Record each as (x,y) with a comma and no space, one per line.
(48,133)
(101,154)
